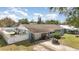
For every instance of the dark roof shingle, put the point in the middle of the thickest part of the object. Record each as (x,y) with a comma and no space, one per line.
(36,28)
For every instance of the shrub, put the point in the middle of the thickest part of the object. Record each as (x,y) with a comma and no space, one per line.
(2,41)
(24,21)
(57,35)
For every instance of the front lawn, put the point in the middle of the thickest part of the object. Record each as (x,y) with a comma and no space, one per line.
(19,46)
(70,40)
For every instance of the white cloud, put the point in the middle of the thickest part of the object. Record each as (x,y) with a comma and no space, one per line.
(18,13)
(14,13)
(3,16)
(26,10)
(38,14)
(22,13)
(35,16)
(6,12)
(45,17)
(13,16)
(51,16)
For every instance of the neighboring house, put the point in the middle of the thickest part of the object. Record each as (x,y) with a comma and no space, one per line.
(70,29)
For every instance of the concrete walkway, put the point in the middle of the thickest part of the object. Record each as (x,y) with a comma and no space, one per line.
(57,47)
(39,48)
(47,45)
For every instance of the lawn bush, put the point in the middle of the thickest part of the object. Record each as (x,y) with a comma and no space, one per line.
(57,35)
(2,41)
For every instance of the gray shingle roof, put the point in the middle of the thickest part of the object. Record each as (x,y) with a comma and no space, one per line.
(37,28)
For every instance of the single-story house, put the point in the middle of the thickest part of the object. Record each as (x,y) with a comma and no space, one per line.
(29,32)
(43,31)
(70,29)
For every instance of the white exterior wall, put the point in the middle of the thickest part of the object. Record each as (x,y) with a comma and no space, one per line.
(17,38)
(37,36)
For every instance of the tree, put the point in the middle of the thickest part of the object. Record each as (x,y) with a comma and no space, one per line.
(39,20)
(71,13)
(24,21)
(32,21)
(52,22)
(7,22)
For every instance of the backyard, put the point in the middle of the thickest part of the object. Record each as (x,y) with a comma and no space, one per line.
(70,40)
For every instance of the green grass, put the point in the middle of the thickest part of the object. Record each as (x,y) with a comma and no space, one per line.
(19,46)
(24,45)
(70,40)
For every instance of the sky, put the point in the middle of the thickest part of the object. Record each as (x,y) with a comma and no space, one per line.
(31,13)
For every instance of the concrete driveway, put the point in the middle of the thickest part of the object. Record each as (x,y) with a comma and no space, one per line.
(48,46)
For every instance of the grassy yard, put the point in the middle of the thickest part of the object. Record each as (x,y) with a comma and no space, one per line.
(14,47)
(70,40)
(19,46)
